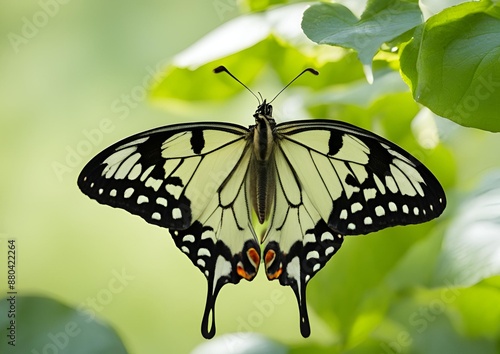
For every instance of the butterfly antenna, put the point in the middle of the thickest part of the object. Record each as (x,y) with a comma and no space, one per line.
(222,68)
(311,70)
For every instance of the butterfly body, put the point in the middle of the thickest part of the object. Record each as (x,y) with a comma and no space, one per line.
(313,181)
(262,182)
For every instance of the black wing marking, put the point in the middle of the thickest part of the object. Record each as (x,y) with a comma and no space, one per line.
(191,179)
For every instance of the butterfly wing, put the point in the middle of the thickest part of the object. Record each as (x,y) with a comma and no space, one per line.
(336,179)
(191,179)
(358,181)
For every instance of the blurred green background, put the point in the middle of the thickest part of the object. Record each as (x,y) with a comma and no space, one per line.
(80,83)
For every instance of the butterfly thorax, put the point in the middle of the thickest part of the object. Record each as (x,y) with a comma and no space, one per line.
(262,166)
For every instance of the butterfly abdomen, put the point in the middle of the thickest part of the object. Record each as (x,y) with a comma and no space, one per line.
(262,184)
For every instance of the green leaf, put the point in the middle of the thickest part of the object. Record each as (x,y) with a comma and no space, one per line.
(44,325)
(382,21)
(180,83)
(453,64)
(244,45)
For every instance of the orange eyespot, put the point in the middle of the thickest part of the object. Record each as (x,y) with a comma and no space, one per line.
(269,258)
(275,274)
(243,273)
(254,257)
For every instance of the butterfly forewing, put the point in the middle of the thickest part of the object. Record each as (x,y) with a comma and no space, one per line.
(358,181)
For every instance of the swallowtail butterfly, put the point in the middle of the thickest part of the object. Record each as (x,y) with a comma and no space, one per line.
(313,181)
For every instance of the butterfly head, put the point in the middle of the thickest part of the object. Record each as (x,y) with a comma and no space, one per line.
(264,109)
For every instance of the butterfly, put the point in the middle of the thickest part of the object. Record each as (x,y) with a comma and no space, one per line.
(311,181)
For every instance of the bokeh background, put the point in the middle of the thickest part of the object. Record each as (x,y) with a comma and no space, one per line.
(81,81)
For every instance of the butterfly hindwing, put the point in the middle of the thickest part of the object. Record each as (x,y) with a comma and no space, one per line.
(191,179)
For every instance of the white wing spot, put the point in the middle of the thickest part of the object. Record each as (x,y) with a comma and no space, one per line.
(393,207)
(128,192)
(207,234)
(203,252)
(351,226)
(416,211)
(380,211)
(201,263)
(142,199)
(308,238)
(146,173)
(185,249)
(343,214)
(156,215)
(135,142)
(370,193)
(112,193)
(113,160)
(312,254)
(161,201)
(174,190)
(188,238)
(431,207)
(379,184)
(101,190)
(316,267)
(399,156)
(176,213)
(307,277)
(356,207)
(405,209)
(441,200)
(326,236)
(293,269)
(391,184)
(135,172)
(329,250)
(223,268)
(127,165)
(368,221)
(154,183)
